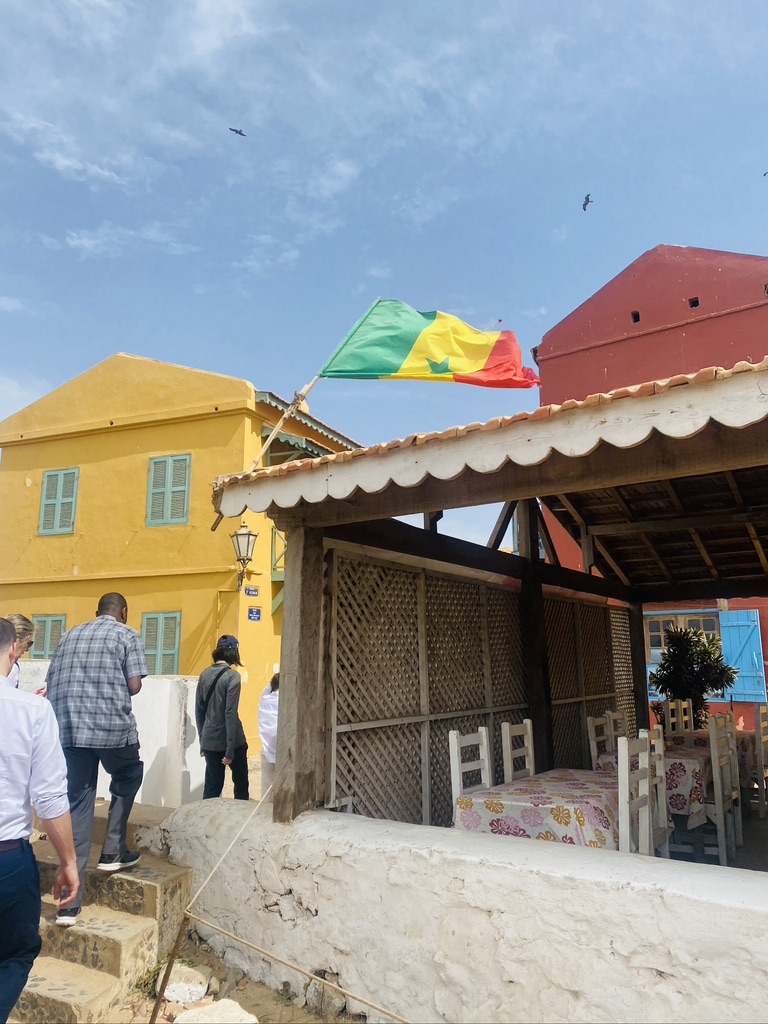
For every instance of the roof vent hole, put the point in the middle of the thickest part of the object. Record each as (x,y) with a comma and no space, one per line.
(694,302)
(635,316)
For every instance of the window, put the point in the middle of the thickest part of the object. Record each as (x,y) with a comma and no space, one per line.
(59,501)
(707,622)
(168,491)
(161,634)
(49,629)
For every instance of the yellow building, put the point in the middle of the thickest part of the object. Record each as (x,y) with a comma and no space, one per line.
(105,484)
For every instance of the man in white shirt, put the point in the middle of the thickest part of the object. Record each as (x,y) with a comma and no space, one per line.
(268,732)
(33,771)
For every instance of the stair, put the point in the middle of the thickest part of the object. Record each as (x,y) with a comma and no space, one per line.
(129,922)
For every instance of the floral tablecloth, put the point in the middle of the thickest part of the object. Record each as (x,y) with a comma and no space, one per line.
(689,772)
(561,806)
(745,749)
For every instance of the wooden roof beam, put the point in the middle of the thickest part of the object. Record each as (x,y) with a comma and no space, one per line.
(756,542)
(705,556)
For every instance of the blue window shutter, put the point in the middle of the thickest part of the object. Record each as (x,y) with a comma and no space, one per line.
(49,629)
(150,634)
(58,506)
(743,649)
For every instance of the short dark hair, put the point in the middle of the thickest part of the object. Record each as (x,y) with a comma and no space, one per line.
(228,654)
(111,603)
(7,634)
(274,682)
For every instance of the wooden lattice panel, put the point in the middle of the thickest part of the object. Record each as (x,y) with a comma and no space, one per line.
(560,623)
(454,645)
(377,642)
(568,725)
(440,764)
(380,769)
(622,667)
(497,753)
(505,644)
(595,648)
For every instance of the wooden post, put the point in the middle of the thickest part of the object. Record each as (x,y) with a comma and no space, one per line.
(535,636)
(637,654)
(301,721)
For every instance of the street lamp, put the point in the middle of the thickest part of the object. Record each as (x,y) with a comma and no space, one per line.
(243,542)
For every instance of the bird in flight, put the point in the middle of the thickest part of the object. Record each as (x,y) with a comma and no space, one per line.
(766,174)
(586,202)
(237,131)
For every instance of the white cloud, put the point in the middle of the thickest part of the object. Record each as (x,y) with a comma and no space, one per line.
(10,305)
(535,313)
(379,271)
(561,233)
(17,394)
(425,204)
(268,253)
(336,177)
(110,240)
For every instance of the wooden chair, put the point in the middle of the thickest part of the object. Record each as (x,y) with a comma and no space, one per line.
(735,780)
(617,725)
(760,774)
(719,802)
(459,768)
(635,827)
(512,754)
(660,828)
(601,738)
(678,717)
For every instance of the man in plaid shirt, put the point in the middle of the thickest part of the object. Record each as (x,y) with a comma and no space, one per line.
(95,671)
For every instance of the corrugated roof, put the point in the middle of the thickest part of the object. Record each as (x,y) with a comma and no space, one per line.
(677,407)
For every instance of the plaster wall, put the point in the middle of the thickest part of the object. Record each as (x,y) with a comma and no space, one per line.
(174,772)
(438,925)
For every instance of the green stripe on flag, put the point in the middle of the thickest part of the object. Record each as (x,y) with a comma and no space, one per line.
(379,345)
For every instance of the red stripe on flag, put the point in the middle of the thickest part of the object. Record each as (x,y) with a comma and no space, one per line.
(504,368)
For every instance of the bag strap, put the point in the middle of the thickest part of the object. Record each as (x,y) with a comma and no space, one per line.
(208,696)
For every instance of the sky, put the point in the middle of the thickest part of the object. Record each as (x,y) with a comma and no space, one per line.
(434,152)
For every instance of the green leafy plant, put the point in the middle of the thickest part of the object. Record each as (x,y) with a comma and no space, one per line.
(691,668)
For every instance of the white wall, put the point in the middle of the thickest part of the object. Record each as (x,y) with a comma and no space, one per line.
(440,925)
(165,717)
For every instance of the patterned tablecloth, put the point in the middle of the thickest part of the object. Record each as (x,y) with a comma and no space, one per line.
(745,749)
(562,806)
(689,772)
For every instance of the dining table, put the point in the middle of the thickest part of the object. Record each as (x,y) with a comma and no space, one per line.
(688,771)
(699,738)
(566,805)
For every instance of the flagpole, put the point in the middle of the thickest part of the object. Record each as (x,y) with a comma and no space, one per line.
(298,398)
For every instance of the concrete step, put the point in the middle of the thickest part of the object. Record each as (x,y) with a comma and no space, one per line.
(143,816)
(66,993)
(153,889)
(106,940)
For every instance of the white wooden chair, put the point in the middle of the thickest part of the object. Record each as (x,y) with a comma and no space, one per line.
(760,773)
(719,802)
(601,738)
(660,829)
(459,767)
(735,780)
(523,753)
(617,725)
(678,717)
(635,827)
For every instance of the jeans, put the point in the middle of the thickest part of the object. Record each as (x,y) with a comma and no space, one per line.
(19,923)
(127,771)
(215,771)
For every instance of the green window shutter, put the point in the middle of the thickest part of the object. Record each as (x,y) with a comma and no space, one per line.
(168,491)
(161,633)
(150,634)
(49,629)
(58,506)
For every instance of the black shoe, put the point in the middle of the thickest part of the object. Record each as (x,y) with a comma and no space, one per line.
(118,861)
(68,916)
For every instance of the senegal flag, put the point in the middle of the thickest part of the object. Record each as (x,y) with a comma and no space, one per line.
(394,341)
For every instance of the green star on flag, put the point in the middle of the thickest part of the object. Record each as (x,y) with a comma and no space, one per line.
(439,367)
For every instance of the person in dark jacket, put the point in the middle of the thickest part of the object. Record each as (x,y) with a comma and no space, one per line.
(222,739)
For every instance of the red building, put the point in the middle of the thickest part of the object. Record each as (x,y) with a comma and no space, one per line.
(674,310)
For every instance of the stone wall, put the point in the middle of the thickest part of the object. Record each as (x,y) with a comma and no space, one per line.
(440,925)
(165,717)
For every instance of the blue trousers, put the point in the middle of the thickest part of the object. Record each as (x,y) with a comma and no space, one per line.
(19,923)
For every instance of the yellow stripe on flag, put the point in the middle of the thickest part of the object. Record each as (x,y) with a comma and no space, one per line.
(447,338)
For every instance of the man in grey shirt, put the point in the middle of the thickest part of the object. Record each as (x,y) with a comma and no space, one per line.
(95,671)
(222,739)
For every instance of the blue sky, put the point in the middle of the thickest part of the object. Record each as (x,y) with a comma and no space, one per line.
(436,152)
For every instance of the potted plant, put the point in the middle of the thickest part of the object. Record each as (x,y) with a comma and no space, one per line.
(691,668)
